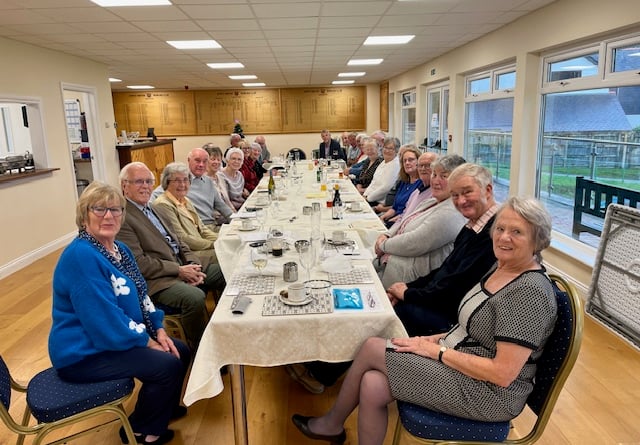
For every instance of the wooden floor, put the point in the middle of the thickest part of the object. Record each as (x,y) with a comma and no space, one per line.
(599,405)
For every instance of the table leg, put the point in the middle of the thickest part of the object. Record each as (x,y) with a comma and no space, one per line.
(239,405)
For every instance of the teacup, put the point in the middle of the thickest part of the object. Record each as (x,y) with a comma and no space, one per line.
(297,292)
(355,206)
(247,224)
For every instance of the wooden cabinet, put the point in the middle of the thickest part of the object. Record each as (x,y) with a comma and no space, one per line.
(155,155)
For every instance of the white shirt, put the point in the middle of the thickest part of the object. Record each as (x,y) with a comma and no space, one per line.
(383,179)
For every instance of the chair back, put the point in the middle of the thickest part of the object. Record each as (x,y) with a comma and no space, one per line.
(301,153)
(559,355)
(5,384)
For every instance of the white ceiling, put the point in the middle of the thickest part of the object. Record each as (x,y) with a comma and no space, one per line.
(283,42)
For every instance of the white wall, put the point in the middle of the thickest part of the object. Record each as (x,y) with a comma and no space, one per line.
(37,215)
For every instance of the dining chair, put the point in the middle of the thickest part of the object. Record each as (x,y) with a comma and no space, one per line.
(418,425)
(56,404)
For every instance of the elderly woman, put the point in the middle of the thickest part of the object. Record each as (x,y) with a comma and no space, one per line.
(424,238)
(178,211)
(213,171)
(408,181)
(386,174)
(233,178)
(369,165)
(105,326)
(483,368)
(248,168)
(256,153)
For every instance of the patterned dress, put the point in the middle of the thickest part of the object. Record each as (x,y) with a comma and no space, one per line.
(523,312)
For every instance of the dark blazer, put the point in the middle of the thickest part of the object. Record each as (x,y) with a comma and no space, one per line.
(155,258)
(335,151)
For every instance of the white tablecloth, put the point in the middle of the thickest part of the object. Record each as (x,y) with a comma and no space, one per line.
(254,339)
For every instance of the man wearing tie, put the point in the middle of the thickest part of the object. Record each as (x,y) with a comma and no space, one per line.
(330,148)
(173,273)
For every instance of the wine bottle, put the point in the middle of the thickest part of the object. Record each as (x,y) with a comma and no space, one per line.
(336,209)
(272,185)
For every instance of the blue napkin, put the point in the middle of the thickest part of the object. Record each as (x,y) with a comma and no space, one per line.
(347,299)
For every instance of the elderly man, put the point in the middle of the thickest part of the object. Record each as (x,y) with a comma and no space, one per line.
(173,273)
(330,148)
(234,142)
(265,154)
(429,305)
(203,194)
(352,148)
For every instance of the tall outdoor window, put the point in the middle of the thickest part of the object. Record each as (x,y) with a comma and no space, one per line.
(488,123)
(409,117)
(437,124)
(591,126)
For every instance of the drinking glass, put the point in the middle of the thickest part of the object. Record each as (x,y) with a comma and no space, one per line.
(261,216)
(307,259)
(259,258)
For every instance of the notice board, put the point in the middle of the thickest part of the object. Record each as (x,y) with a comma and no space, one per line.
(168,112)
(268,110)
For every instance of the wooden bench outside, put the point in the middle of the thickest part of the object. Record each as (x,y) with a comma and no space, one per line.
(592,198)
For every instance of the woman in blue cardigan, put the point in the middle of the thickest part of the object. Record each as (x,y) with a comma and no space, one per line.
(104,324)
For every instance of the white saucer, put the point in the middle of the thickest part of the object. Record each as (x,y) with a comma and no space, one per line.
(248,229)
(295,303)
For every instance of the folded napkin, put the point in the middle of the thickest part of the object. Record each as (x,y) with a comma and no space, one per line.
(316,195)
(243,214)
(335,263)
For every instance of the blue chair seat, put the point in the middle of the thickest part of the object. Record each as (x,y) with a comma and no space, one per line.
(50,398)
(428,424)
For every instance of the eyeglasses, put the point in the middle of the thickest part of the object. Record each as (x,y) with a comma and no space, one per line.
(140,182)
(425,166)
(181,180)
(102,211)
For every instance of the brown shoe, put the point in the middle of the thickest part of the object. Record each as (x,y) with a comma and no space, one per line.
(300,374)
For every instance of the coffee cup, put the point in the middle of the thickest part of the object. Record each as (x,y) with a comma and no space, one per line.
(247,224)
(338,235)
(355,206)
(297,292)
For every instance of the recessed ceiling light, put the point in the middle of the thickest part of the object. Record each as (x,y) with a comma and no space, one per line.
(353,62)
(194,44)
(243,77)
(360,74)
(114,3)
(254,84)
(140,87)
(226,65)
(342,82)
(388,40)
(113,79)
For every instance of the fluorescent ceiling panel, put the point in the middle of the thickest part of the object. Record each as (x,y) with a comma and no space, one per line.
(194,44)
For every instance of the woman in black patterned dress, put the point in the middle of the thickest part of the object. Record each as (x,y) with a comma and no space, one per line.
(481,369)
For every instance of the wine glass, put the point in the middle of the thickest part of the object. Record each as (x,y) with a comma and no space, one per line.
(259,258)
(307,259)
(261,216)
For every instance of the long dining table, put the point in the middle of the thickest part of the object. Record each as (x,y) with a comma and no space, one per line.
(261,333)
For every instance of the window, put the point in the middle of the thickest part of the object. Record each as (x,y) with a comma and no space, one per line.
(409,117)
(22,129)
(590,127)
(488,123)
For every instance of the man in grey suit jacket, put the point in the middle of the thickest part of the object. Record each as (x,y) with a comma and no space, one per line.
(173,273)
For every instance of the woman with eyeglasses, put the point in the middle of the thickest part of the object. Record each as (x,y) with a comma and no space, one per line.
(177,210)
(104,324)
(234,178)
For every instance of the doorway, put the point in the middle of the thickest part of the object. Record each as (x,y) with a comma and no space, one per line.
(84,142)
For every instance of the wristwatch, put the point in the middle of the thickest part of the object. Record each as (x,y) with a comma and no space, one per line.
(442,350)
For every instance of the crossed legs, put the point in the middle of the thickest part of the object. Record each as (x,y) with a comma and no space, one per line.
(367,385)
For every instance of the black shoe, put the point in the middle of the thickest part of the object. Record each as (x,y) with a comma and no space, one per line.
(302,423)
(179,412)
(125,439)
(165,437)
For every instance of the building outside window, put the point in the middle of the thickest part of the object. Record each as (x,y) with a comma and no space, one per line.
(590,125)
